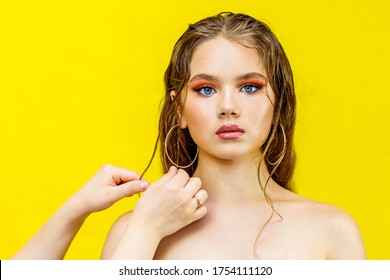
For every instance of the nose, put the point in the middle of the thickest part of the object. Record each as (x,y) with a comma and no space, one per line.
(228,105)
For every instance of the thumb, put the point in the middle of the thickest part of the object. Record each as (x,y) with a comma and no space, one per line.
(130,188)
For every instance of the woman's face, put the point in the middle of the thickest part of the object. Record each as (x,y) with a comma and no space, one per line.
(229,104)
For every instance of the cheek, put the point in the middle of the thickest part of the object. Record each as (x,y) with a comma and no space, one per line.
(195,116)
(269,115)
(261,116)
(260,110)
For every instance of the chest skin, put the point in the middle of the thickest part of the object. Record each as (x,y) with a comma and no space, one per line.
(233,233)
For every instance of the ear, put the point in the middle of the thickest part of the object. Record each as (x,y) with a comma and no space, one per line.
(172,94)
(183,122)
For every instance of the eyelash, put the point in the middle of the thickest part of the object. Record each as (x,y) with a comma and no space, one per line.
(256,88)
(200,89)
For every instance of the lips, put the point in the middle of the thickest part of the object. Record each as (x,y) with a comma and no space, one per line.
(230,132)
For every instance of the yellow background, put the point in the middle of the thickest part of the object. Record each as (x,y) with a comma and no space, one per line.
(81,82)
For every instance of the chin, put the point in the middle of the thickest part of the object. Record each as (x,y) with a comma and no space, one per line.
(235,155)
(231,152)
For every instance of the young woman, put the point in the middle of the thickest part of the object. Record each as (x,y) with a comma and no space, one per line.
(227,123)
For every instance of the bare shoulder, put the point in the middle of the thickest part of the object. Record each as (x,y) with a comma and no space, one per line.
(333,227)
(114,235)
(344,237)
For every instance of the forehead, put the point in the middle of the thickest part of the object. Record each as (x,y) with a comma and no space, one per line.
(227,58)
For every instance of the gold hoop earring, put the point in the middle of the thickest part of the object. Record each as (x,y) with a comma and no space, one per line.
(166,151)
(282,153)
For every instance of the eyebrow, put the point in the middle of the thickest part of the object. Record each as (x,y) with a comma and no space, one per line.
(251,76)
(203,76)
(208,77)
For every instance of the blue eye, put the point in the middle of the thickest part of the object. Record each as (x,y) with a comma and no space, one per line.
(206,90)
(249,88)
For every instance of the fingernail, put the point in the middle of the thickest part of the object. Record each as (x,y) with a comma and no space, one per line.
(144,185)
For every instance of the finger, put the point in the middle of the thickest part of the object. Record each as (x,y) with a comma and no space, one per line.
(179,180)
(200,212)
(121,175)
(199,199)
(168,176)
(202,195)
(193,186)
(130,188)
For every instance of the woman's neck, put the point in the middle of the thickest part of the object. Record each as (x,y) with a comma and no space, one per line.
(233,181)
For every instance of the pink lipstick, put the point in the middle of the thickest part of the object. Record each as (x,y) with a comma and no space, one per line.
(229,132)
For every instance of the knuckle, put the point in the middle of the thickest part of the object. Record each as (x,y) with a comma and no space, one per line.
(196,180)
(183,200)
(183,173)
(172,188)
(106,167)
